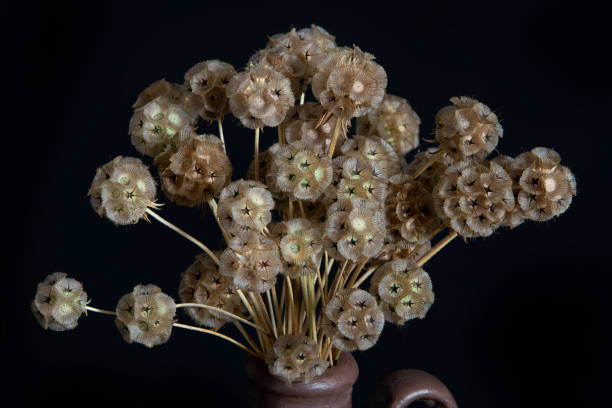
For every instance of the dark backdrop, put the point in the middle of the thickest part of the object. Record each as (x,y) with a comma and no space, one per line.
(520,319)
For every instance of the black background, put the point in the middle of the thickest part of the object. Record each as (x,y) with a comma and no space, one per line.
(520,319)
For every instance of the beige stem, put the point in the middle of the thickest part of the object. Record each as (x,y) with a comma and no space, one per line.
(213,207)
(334,140)
(257,154)
(106,312)
(216,309)
(214,333)
(428,163)
(220,123)
(443,242)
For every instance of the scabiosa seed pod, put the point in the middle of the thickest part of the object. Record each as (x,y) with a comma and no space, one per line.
(395,122)
(355,178)
(302,125)
(473,198)
(349,81)
(300,245)
(202,283)
(260,97)
(514,168)
(467,129)
(431,175)
(146,316)
(405,290)
(252,261)
(286,64)
(245,205)
(353,320)
(59,302)
(197,171)
(375,151)
(122,190)
(298,169)
(294,358)
(356,227)
(209,80)
(174,93)
(155,125)
(396,247)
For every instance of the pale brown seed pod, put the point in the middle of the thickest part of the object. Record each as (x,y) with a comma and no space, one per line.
(196,172)
(355,178)
(467,129)
(300,245)
(375,151)
(395,247)
(429,177)
(473,198)
(353,320)
(252,261)
(404,289)
(175,94)
(122,190)
(298,169)
(245,205)
(209,79)
(260,97)
(349,82)
(202,283)
(395,122)
(59,302)
(295,358)
(146,316)
(303,124)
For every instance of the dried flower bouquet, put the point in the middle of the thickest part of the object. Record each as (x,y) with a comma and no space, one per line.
(318,214)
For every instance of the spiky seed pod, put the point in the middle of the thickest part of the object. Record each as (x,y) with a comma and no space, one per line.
(404,290)
(410,209)
(473,198)
(356,227)
(375,151)
(59,302)
(300,245)
(467,129)
(197,171)
(146,316)
(286,64)
(245,205)
(395,122)
(202,283)
(298,169)
(294,358)
(175,94)
(209,79)
(353,320)
(155,125)
(252,261)
(302,125)
(514,168)
(260,97)
(354,178)
(121,190)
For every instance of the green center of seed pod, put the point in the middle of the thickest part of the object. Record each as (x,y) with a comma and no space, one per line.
(305,183)
(294,247)
(359,224)
(124,179)
(407,301)
(174,119)
(318,173)
(65,308)
(143,325)
(170,132)
(158,116)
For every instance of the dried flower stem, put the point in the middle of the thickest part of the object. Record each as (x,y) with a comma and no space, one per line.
(218,310)
(291,304)
(277,310)
(334,140)
(428,163)
(365,276)
(106,312)
(257,154)
(272,314)
(281,134)
(247,338)
(356,272)
(443,242)
(302,97)
(214,333)
(220,123)
(213,207)
(183,233)
(436,231)
(302,208)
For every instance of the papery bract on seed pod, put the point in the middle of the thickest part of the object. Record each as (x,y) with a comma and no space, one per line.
(355,178)
(245,205)
(375,151)
(303,124)
(295,358)
(59,302)
(209,80)
(176,94)
(300,245)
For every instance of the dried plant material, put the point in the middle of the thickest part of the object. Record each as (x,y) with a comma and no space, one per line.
(303,124)
(294,358)
(197,171)
(356,228)
(122,190)
(301,170)
(395,122)
(375,151)
(353,320)
(300,245)
(146,316)
(429,174)
(252,261)
(175,94)
(59,302)
(473,198)
(349,82)
(156,125)
(245,205)
(467,129)
(395,247)
(209,79)
(404,291)
(355,178)
(260,97)
(202,283)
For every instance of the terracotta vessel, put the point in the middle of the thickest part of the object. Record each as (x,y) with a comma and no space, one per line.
(335,387)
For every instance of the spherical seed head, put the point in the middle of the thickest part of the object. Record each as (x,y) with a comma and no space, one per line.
(302,125)
(59,302)
(298,169)
(375,151)
(260,97)
(474,198)
(295,358)
(395,122)
(197,171)
(245,205)
(349,81)
(468,128)
(300,246)
(146,316)
(252,261)
(122,190)
(355,178)
(209,79)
